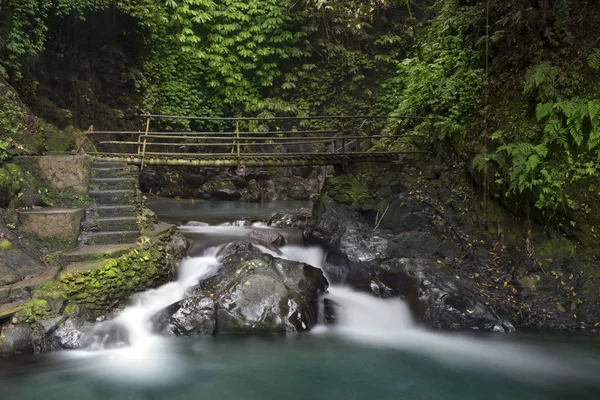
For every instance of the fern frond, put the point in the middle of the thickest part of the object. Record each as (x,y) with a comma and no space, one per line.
(593,59)
(593,109)
(543,110)
(594,140)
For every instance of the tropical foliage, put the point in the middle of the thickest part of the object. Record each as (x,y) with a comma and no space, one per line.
(509,86)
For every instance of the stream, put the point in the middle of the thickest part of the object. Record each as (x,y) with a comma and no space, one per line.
(374,351)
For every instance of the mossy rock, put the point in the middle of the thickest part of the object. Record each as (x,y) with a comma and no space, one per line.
(33,142)
(57,141)
(91,289)
(5,245)
(11,181)
(12,116)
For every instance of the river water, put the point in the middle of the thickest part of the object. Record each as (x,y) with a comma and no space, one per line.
(374,352)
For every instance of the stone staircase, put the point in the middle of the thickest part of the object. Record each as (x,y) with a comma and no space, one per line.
(113,219)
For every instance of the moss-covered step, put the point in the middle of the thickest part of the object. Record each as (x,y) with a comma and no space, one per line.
(111,237)
(113,183)
(111,224)
(112,211)
(121,172)
(8,310)
(92,252)
(21,290)
(54,227)
(120,197)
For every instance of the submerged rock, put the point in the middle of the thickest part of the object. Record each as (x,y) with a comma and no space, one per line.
(251,293)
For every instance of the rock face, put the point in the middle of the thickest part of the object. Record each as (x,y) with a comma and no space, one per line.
(250,184)
(251,293)
(409,263)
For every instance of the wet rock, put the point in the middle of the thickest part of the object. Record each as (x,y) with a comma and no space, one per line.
(404,264)
(298,192)
(251,293)
(71,334)
(589,312)
(192,316)
(220,190)
(268,236)
(16,339)
(294,218)
(253,192)
(448,250)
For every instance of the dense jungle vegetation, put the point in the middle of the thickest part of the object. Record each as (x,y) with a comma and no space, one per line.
(513,85)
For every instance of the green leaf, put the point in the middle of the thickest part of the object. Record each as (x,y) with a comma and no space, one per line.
(543,110)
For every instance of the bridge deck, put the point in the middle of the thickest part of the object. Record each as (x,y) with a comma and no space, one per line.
(250,160)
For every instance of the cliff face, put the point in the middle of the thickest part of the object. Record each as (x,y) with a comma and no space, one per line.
(85,74)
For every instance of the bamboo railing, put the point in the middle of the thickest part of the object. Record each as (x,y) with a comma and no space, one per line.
(339,144)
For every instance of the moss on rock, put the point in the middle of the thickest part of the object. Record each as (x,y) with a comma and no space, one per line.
(97,288)
(57,141)
(362,187)
(11,181)
(5,245)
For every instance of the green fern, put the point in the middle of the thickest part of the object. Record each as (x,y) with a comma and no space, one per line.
(593,59)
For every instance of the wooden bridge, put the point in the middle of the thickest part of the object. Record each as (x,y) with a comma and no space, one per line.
(249,142)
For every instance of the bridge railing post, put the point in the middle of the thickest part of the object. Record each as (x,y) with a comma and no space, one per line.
(237,135)
(343,144)
(145,142)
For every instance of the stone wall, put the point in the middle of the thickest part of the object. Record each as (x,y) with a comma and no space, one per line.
(70,173)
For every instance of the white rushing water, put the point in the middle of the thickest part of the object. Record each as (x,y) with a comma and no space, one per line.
(137,317)
(360,317)
(389,323)
(147,357)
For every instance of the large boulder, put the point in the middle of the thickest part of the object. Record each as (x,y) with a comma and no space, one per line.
(251,293)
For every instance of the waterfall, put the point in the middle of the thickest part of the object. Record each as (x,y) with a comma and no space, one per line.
(388,323)
(136,318)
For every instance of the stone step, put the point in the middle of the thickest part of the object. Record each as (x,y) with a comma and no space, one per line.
(120,197)
(20,291)
(112,211)
(85,253)
(113,183)
(110,224)
(10,309)
(55,227)
(129,171)
(111,237)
